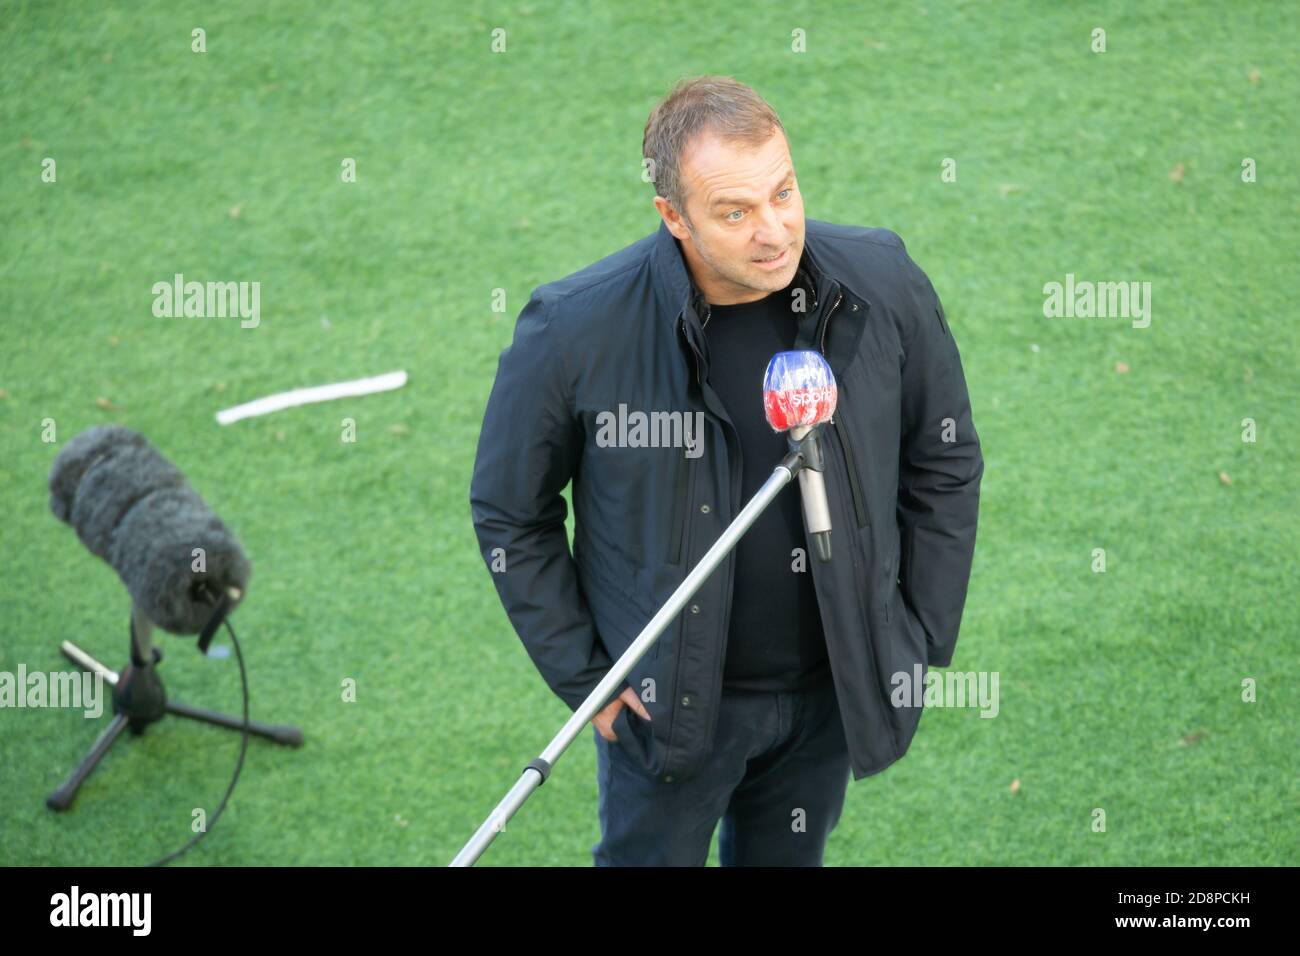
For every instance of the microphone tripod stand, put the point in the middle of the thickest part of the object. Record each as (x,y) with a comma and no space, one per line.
(805,453)
(140,700)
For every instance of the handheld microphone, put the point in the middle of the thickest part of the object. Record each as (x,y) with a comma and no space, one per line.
(799,394)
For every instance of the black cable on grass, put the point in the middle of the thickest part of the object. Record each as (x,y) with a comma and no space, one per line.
(239,765)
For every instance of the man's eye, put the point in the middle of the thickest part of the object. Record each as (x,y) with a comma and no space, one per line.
(728,217)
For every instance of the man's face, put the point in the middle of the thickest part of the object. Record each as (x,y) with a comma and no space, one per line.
(744,205)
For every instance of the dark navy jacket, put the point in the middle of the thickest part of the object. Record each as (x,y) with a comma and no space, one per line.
(903,470)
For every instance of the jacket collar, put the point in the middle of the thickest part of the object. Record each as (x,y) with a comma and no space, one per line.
(677,285)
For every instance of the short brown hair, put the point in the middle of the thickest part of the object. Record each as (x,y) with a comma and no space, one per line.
(705,104)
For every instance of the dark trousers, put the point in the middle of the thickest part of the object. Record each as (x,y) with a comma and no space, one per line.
(776,779)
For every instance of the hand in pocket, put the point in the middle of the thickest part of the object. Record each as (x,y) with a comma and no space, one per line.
(604,721)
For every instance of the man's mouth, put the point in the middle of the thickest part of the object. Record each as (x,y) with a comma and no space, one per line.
(774,260)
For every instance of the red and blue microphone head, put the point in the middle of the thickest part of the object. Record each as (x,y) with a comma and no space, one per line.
(798,391)
(799,394)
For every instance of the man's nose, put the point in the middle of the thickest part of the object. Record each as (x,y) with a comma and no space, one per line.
(771,232)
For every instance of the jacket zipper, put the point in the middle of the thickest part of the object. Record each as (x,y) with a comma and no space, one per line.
(681,321)
(680,520)
(827,324)
(850,463)
(681,491)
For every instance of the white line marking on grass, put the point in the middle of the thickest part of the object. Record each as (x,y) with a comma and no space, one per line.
(317,393)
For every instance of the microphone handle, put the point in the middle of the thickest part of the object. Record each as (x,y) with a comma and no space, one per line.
(816,510)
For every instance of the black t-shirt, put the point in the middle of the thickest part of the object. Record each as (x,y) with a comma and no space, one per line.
(775,641)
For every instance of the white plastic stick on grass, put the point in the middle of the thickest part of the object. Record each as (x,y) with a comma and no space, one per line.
(316,393)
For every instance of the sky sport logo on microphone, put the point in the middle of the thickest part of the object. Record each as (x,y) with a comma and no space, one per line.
(813,397)
(798,390)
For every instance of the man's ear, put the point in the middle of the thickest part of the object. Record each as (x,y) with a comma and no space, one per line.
(672,219)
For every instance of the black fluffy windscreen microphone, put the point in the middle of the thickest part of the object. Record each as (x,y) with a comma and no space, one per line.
(132,507)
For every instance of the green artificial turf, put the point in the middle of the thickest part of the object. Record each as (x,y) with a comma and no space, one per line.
(478,171)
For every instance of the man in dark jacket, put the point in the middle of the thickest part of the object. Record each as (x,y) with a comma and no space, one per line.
(638,379)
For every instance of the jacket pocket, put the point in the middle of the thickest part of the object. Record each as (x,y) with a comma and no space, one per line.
(616,612)
(851,465)
(630,742)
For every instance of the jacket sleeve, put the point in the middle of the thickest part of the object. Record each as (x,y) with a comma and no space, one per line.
(528,450)
(939,469)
